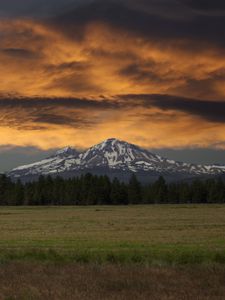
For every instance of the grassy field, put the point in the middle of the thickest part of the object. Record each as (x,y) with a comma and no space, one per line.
(111,253)
(155,235)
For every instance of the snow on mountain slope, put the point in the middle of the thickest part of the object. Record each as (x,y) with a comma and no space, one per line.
(55,164)
(66,152)
(112,154)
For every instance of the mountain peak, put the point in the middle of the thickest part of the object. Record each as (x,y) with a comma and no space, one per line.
(67,151)
(110,142)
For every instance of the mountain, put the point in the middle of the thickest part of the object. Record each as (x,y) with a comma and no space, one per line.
(113,158)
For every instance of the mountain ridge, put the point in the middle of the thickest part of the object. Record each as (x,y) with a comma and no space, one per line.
(113,156)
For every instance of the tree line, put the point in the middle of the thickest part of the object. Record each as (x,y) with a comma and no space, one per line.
(100,190)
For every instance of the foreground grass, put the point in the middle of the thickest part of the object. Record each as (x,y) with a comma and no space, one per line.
(149,235)
(22,281)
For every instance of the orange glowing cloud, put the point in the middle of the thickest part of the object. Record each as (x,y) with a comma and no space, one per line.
(41,63)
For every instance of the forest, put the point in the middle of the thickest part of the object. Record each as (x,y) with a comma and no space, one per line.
(99,190)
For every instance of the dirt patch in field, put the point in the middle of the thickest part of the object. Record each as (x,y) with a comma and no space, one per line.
(86,282)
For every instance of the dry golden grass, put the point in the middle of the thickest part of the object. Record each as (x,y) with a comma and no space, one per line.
(86,282)
(65,227)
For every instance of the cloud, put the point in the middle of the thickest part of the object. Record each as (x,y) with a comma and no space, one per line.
(143,124)
(37,114)
(147,23)
(19,53)
(63,73)
(50,118)
(207,5)
(43,113)
(45,102)
(34,8)
(108,59)
(212,111)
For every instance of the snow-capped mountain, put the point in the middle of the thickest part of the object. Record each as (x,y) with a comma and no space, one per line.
(113,157)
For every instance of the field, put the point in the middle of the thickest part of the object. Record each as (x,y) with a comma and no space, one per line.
(32,281)
(135,252)
(149,234)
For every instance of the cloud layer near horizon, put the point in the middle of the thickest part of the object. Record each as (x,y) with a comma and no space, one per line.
(150,72)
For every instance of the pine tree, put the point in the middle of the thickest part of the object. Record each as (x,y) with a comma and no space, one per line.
(173,193)
(220,188)
(18,193)
(160,191)
(134,191)
(118,193)
(6,190)
(184,193)
(199,194)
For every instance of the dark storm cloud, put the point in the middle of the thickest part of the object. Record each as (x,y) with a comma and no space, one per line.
(38,113)
(213,111)
(57,119)
(158,26)
(39,8)
(77,79)
(75,112)
(207,5)
(140,72)
(148,72)
(74,82)
(21,102)
(20,53)
(161,19)
(74,65)
(201,88)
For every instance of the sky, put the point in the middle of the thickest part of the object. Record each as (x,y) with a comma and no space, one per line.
(150,72)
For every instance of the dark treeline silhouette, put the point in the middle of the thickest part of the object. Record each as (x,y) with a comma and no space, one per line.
(96,190)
